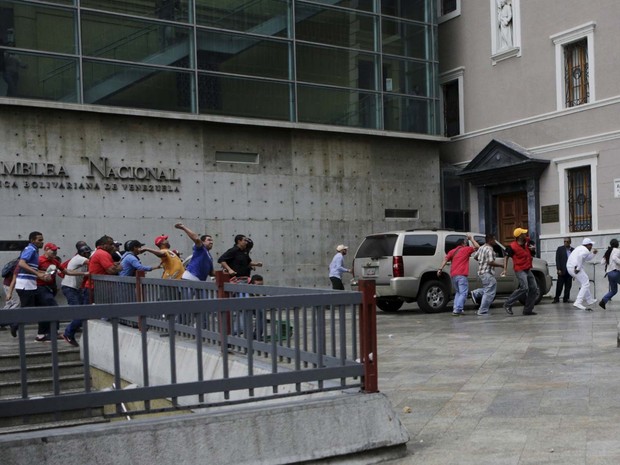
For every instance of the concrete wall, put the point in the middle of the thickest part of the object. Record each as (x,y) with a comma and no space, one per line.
(309,191)
(326,426)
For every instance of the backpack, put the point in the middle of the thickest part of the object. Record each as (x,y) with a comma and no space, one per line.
(7,269)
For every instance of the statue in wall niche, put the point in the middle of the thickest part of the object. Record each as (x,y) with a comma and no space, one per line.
(504,22)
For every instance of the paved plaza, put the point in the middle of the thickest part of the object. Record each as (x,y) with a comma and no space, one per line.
(520,390)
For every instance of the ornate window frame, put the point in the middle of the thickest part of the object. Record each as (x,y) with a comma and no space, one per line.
(577,161)
(498,54)
(585,31)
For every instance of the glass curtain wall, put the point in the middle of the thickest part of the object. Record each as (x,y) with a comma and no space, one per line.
(366,63)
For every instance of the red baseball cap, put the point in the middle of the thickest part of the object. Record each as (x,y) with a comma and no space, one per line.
(52,246)
(160,239)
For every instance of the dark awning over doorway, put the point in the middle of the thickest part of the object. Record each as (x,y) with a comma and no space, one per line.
(502,161)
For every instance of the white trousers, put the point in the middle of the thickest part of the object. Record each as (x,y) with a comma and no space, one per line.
(584,295)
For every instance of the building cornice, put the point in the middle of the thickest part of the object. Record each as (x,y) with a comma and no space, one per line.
(537,119)
(215,119)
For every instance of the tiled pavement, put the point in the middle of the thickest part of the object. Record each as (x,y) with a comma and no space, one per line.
(500,390)
(497,390)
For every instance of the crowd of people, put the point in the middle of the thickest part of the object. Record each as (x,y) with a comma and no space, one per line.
(31,280)
(570,265)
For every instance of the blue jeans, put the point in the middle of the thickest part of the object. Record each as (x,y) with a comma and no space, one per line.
(488,290)
(614,280)
(461,287)
(527,287)
(74,297)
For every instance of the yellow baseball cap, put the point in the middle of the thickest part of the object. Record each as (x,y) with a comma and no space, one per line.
(519,231)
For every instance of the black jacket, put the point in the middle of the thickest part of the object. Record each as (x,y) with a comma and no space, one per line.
(561,257)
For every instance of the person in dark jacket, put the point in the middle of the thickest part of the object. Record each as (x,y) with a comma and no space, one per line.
(565,280)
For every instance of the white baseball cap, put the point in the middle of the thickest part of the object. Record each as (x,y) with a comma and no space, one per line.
(341,247)
(587,241)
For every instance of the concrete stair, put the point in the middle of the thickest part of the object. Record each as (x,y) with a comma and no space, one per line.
(40,384)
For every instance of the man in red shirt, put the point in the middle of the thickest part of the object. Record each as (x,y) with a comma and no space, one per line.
(521,252)
(101,261)
(459,270)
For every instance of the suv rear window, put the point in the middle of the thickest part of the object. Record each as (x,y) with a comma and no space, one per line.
(420,244)
(377,246)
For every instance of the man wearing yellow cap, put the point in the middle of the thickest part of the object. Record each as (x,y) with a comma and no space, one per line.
(521,252)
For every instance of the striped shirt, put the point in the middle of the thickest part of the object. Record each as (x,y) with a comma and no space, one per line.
(485,256)
(26,281)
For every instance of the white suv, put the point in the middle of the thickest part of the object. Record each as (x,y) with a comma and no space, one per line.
(404,265)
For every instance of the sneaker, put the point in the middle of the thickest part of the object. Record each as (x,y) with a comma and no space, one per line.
(508,308)
(474,299)
(42,338)
(70,340)
(482,313)
(529,313)
(591,302)
(602,304)
(579,306)
(457,313)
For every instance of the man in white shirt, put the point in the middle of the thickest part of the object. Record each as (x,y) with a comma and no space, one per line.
(574,265)
(74,291)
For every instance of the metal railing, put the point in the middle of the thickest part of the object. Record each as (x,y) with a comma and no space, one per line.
(308,340)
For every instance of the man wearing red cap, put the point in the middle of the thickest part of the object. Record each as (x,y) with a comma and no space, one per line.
(50,264)
(170,261)
(521,252)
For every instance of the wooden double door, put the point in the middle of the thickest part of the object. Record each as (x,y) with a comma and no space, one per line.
(511,214)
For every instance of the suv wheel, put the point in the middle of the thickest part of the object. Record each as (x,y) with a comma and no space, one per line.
(389,305)
(433,296)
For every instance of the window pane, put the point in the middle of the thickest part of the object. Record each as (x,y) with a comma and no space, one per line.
(406,39)
(173,10)
(240,54)
(377,246)
(266,17)
(451,111)
(337,107)
(408,114)
(419,10)
(37,27)
(335,27)
(448,6)
(338,67)
(579,199)
(406,77)
(45,78)
(364,5)
(136,87)
(134,40)
(420,245)
(576,73)
(451,241)
(222,95)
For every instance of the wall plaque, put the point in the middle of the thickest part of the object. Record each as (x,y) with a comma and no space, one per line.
(550,214)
